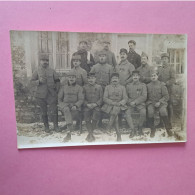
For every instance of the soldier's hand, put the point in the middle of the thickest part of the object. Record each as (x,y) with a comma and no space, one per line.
(157,104)
(74,108)
(132,104)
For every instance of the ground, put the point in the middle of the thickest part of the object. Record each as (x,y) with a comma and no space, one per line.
(33,135)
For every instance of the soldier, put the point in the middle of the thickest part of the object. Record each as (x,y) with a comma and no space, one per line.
(133,57)
(87,60)
(102,70)
(92,104)
(70,100)
(115,99)
(158,97)
(81,74)
(125,68)
(48,84)
(167,75)
(144,69)
(137,94)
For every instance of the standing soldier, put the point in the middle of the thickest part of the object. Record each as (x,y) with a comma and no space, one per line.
(92,104)
(115,99)
(133,57)
(167,75)
(102,70)
(144,69)
(137,94)
(48,84)
(125,68)
(70,100)
(158,97)
(87,60)
(81,74)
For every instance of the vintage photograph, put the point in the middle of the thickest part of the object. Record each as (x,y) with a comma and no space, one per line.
(81,88)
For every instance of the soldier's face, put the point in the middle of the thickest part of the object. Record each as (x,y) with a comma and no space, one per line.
(165,60)
(136,77)
(106,45)
(91,80)
(115,80)
(102,59)
(154,77)
(131,46)
(76,63)
(44,63)
(123,56)
(71,79)
(83,45)
(144,60)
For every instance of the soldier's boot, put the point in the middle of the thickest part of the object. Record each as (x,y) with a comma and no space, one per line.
(152,127)
(118,134)
(89,137)
(68,136)
(55,123)
(46,124)
(131,126)
(77,126)
(110,124)
(167,125)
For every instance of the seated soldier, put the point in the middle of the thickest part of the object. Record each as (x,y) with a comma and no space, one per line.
(157,100)
(93,101)
(70,100)
(115,99)
(137,94)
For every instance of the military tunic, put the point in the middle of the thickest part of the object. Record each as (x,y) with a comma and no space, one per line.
(69,96)
(93,94)
(125,70)
(81,76)
(103,74)
(46,92)
(114,94)
(145,73)
(134,58)
(84,64)
(157,92)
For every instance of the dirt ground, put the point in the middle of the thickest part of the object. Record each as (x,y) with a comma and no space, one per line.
(33,135)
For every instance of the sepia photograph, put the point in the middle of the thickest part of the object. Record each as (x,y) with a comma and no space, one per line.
(87,88)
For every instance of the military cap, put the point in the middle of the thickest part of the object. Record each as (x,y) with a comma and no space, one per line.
(83,41)
(102,52)
(44,57)
(76,57)
(71,73)
(90,74)
(164,55)
(154,71)
(132,41)
(123,50)
(115,74)
(136,72)
(144,54)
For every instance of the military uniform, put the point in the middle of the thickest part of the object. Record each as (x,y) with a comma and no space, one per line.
(145,73)
(103,74)
(69,96)
(134,58)
(125,70)
(46,93)
(81,76)
(137,92)
(84,64)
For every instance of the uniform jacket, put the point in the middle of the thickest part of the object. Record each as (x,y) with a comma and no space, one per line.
(125,69)
(103,73)
(51,84)
(137,92)
(113,94)
(93,94)
(71,95)
(145,73)
(167,75)
(134,58)
(81,76)
(84,65)
(157,92)
(110,58)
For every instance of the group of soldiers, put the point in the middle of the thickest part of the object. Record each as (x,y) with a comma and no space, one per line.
(94,89)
